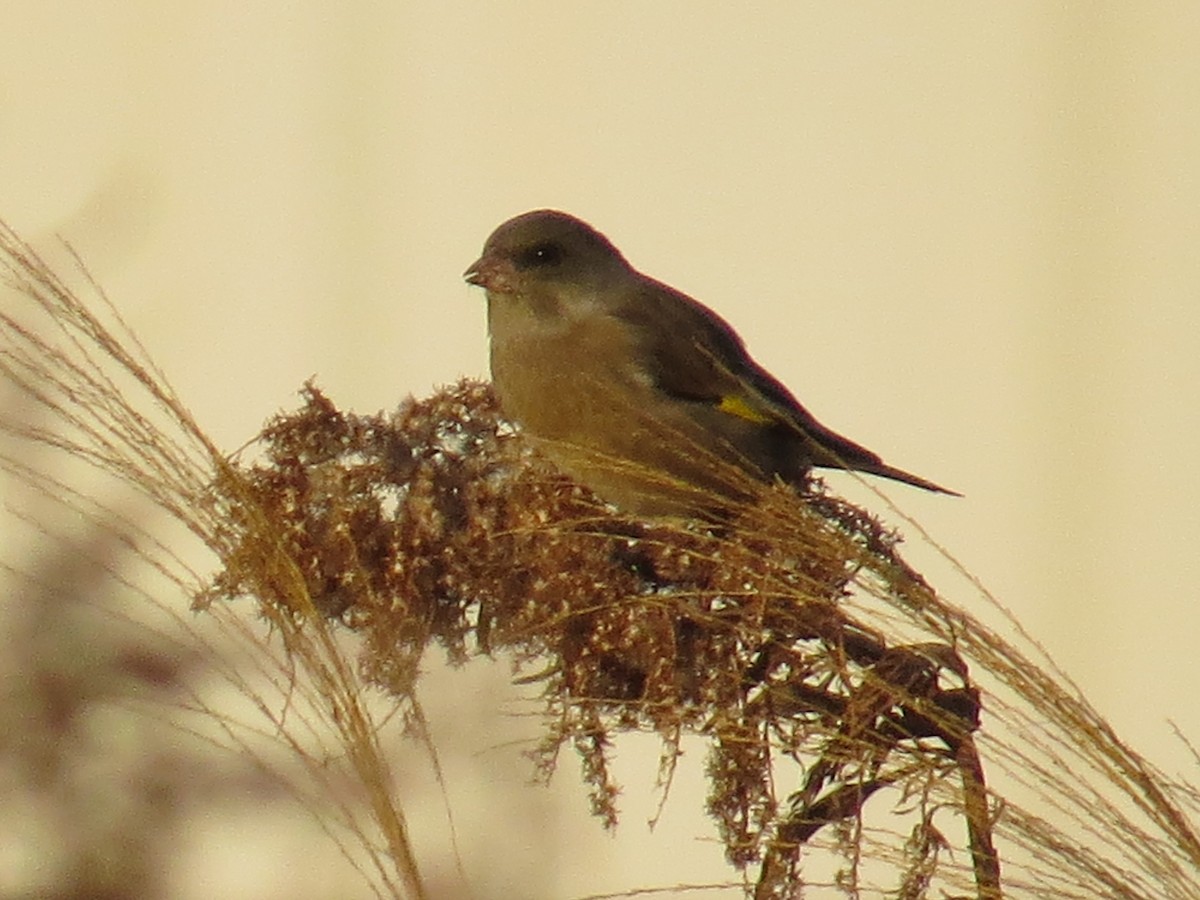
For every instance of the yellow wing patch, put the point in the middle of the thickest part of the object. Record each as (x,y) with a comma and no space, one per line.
(736,406)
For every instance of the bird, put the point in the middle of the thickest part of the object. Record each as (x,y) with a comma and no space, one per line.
(645,395)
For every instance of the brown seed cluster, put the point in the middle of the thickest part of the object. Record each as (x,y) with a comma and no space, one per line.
(435,525)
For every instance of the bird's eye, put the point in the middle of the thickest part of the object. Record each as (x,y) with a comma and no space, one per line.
(540,256)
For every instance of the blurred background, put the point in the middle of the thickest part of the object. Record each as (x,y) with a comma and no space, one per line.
(965,236)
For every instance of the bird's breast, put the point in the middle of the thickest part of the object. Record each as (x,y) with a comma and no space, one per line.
(559,377)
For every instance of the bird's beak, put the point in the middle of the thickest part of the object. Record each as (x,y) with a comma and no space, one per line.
(496,276)
(475,274)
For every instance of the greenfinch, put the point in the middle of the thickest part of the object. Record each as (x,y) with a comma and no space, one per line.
(633,388)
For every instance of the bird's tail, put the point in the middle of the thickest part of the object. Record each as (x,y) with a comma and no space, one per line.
(832,451)
(885,471)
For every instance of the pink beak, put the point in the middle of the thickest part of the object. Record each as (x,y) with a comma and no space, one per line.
(491,274)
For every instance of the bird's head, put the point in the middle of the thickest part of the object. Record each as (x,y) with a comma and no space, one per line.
(546,253)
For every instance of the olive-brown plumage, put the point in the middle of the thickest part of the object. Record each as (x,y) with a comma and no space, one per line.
(637,390)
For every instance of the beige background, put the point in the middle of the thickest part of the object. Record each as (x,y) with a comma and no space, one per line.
(966,235)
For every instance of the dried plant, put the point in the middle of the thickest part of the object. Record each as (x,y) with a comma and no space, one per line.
(863,730)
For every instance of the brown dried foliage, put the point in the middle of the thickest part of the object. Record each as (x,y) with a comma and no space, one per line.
(436,526)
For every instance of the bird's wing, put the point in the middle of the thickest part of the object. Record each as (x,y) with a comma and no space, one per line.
(710,365)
